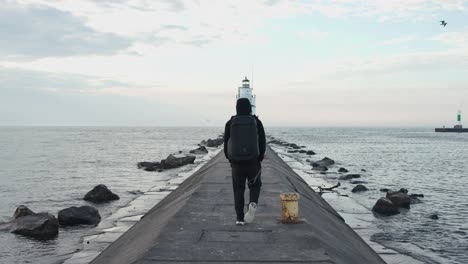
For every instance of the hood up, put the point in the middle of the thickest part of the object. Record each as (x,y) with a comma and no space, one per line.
(243,106)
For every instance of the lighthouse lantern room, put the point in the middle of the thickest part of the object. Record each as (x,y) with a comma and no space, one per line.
(245,91)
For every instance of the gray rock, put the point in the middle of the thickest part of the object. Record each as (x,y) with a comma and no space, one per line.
(384,206)
(22,210)
(84,215)
(137,192)
(294,146)
(342,170)
(100,194)
(310,152)
(323,162)
(384,190)
(41,226)
(5,226)
(213,143)
(200,150)
(434,216)
(169,163)
(275,141)
(320,168)
(399,199)
(173,162)
(349,176)
(359,188)
(415,200)
(358,182)
(403,190)
(149,166)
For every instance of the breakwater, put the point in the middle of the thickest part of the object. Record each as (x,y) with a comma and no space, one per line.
(195,223)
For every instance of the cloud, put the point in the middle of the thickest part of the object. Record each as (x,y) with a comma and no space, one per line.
(384,10)
(393,41)
(453,39)
(38,98)
(28,80)
(35,31)
(202,22)
(397,64)
(313,36)
(181,22)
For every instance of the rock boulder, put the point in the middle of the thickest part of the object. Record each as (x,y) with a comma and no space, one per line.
(149,166)
(174,162)
(384,206)
(84,215)
(323,162)
(342,170)
(399,199)
(169,163)
(294,146)
(213,143)
(358,182)
(414,200)
(100,194)
(349,176)
(22,210)
(200,150)
(320,168)
(359,188)
(41,226)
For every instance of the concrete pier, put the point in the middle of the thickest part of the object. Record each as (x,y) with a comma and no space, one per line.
(196,224)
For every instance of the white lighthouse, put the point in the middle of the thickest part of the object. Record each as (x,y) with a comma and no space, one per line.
(245,91)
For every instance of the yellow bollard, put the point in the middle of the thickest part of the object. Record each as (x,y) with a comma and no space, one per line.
(289,208)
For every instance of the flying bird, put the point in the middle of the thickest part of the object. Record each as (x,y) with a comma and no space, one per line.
(443,23)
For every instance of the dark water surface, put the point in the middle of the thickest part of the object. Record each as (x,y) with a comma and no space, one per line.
(434,164)
(51,168)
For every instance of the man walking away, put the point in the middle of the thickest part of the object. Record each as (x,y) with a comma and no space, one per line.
(244,147)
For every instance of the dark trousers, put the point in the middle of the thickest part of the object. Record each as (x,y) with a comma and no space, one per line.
(242,173)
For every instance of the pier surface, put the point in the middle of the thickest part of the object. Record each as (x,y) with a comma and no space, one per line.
(196,224)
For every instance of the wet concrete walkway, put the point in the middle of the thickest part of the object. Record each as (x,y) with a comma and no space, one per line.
(196,224)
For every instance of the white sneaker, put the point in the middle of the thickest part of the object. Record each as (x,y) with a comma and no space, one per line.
(240,223)
(250,215)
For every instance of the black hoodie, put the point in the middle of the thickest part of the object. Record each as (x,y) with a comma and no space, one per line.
(244,108)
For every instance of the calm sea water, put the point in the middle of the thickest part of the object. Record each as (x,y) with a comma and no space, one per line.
(51,168)
(434,164)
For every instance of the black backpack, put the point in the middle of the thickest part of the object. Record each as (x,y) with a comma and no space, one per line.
(243,141)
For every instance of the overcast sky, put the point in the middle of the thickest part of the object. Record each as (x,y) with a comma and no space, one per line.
(179,62)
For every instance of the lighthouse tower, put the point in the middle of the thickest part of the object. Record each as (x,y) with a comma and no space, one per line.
(245,91)
(459,125)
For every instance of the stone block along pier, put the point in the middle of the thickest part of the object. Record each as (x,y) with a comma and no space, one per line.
(196,224)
